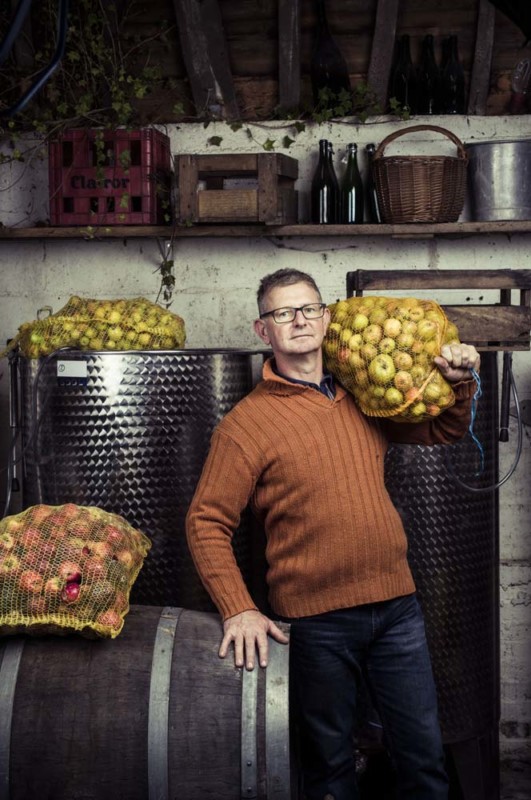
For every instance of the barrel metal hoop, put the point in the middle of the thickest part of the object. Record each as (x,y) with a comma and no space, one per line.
(8,681)
(277,722)
(159,703)
(249,756)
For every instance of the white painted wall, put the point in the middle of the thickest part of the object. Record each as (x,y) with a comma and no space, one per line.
(216,281)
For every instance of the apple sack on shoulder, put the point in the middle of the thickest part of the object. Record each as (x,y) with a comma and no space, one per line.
(381,350)
(66,569)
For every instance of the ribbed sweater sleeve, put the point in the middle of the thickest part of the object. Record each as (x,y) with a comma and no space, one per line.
(312,470)
(223,492)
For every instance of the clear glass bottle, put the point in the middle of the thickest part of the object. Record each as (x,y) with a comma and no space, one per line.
(452,81)
(325,188)
(351,195)
(328,68)
(429,79)
(373,210)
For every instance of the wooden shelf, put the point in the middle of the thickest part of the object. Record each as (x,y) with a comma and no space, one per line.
(416,231)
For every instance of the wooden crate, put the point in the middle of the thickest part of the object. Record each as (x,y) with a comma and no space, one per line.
(500,326)
(208,188)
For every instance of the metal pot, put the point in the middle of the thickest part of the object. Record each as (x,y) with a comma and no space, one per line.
(499,180)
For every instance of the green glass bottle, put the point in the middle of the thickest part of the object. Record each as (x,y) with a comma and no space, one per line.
(325,189)
(351,195)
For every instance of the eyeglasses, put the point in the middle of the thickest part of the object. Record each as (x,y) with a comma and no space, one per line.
(288,314)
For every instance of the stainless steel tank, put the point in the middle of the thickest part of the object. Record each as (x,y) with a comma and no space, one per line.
(129,432)
(453,536)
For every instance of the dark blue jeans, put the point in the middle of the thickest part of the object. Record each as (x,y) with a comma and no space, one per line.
(384,644)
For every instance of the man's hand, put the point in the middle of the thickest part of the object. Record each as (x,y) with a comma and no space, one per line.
(249,631)
(456,361)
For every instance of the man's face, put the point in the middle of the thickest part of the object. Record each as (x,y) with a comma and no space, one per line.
(299,337)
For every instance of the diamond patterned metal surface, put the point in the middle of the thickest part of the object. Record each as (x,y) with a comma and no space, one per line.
(453,552)
(133,440)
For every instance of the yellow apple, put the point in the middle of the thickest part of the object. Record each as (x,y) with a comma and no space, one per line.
(381,369)
(372,333)
(403,380)
(355,341)
(427,329)
(377,316)
(387,345)
(405,340)
(393,397)
(431,393)
(417,409)
(368,351)
(345,335)
(392,327)
(360,322)
(402,360)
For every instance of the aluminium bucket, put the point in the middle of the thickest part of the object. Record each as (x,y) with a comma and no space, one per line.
(499,180)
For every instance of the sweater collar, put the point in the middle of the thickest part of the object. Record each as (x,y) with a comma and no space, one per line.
(278,384)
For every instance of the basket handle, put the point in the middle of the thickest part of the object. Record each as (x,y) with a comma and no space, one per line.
(461,152)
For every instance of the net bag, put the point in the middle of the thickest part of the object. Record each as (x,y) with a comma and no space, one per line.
(381,350)
(87,324)
(66,569)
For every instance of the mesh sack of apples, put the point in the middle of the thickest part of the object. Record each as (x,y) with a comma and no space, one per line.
(381,349)
(66,569)
(86,324)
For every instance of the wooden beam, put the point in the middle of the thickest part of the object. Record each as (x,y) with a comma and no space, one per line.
(205,56)
(289,67)
(382,50)
(480,77)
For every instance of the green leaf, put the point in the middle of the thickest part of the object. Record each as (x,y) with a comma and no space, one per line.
(287,141)
(215,141)
(269,144)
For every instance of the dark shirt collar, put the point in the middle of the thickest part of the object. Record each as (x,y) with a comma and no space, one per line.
(326,387)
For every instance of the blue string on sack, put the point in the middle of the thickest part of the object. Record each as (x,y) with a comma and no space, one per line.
(477,395)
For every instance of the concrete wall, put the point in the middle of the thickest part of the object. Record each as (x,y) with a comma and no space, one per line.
(216,280)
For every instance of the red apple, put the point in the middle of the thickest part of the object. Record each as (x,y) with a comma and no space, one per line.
(115,535)
(121,601)
(30,537)
(110,619)
(38,513)
(70,592)
(70,510)
(31,581)
(47,549)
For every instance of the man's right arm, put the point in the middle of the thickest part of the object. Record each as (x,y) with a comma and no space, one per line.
(223,491)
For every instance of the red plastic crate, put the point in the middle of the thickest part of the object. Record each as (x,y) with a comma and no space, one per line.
(131,187)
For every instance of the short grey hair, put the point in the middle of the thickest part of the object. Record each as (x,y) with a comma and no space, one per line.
(283,277)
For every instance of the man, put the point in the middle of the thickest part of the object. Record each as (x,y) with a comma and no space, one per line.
(311,465)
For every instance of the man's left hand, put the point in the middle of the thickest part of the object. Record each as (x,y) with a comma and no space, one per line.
(456,361)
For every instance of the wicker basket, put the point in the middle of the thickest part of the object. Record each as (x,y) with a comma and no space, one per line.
(420,188)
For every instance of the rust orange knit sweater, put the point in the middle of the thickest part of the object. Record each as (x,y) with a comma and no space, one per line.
(312,469)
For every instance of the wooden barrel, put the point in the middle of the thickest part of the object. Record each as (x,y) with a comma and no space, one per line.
(151,715)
